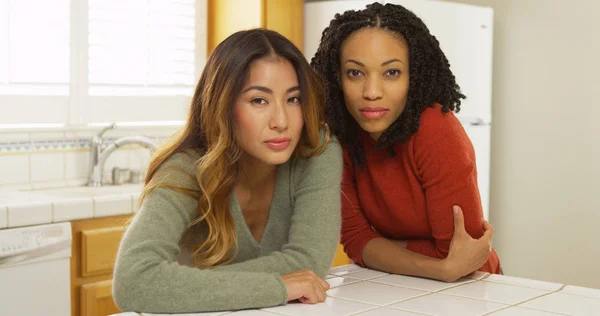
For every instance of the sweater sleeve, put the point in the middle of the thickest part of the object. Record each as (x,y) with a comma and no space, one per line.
(445,160)
(315,225)
(147,277)
(356,230)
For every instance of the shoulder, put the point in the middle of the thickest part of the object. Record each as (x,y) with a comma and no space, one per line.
(179,169)
(441,135)
(326,164)
(433,120)
(436,126)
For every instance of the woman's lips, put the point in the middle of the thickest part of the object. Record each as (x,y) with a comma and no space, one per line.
(278,143)
(373,112)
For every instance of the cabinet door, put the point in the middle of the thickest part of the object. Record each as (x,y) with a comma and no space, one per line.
(99,250)
(97,300)
(286,18)
(225,17)
(340,258)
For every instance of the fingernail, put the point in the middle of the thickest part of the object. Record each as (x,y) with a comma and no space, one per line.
(455,209)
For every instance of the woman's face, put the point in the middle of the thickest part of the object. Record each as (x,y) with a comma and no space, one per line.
(374,77)
(268,112)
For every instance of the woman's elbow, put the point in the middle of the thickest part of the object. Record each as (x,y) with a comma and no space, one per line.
(124,291)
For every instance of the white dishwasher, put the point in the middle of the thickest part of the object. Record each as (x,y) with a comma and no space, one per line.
(35,270)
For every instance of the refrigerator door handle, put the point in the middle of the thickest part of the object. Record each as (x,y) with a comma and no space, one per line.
(478,121)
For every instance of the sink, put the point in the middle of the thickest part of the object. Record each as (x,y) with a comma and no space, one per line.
(85,191)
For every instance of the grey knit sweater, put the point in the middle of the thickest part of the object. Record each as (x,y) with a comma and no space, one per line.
(154,272)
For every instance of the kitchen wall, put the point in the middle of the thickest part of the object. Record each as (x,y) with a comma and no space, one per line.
(545,175)
(42,159)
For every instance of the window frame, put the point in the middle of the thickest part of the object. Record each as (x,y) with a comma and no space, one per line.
(79,108)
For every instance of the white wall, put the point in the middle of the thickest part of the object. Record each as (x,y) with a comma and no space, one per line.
(545,181)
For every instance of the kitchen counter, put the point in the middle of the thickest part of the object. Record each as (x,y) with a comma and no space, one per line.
(354,290)
(358,291)
(43,206)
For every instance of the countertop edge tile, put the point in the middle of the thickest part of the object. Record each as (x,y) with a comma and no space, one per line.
(3,216)
(29,214)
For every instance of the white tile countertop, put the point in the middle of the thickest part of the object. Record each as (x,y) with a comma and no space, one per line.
(43,206)
(358,291)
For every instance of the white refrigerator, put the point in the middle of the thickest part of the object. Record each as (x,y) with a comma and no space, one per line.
(465,33)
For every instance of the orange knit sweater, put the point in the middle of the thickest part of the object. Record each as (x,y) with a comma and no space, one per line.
(410,197)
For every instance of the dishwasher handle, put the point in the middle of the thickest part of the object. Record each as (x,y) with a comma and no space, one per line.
(32,254)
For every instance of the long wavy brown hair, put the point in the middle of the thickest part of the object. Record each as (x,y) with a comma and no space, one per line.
(209,129)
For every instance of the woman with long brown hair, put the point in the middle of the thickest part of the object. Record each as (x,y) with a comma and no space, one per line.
(242,210)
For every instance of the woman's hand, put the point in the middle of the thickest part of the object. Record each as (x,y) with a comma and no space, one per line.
(466,254)
(305,286)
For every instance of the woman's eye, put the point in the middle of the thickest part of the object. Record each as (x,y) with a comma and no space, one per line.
(259,101)
(295,100)
(353,73)
(393,72)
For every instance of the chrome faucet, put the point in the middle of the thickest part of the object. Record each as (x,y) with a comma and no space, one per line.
(98,156)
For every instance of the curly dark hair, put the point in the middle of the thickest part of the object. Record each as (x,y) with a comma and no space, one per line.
(430,82)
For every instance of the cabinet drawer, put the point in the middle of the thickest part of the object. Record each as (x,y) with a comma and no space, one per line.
(96,299)
(99,250)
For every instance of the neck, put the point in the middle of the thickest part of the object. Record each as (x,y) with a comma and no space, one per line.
(254,173)
(375,136)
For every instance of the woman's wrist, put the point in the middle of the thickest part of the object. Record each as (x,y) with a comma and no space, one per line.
(447,271)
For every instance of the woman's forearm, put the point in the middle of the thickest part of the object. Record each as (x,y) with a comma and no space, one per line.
(390,256)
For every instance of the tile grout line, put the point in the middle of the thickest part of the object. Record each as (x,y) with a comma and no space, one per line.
(427,292)
(485,277)
(396,309)
(498,310)
(456,285)
(482,300)
(523,286)
(581,295)
(270,312)
(381,306)
(372,304)
(368,279)
(52,220)
(386,305)
(430,291)
(408,299)
(507,305)
(365,311)
(525,301)
(529,300)
(409,311)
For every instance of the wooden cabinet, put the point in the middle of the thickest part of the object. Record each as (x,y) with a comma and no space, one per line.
(94,250)
(226,17)
(340,258)
(96,299)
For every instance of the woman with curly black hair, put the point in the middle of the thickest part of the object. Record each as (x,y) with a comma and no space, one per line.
(408,163)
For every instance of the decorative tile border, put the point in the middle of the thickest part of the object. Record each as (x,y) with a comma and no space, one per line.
(54,145)
(15,147)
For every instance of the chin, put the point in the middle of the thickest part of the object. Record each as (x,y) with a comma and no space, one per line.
(277,158)
(373,127)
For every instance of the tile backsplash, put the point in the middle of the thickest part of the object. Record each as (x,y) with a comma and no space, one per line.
(54,159)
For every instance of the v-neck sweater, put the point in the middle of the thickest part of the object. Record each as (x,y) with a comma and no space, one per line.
(154,270)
